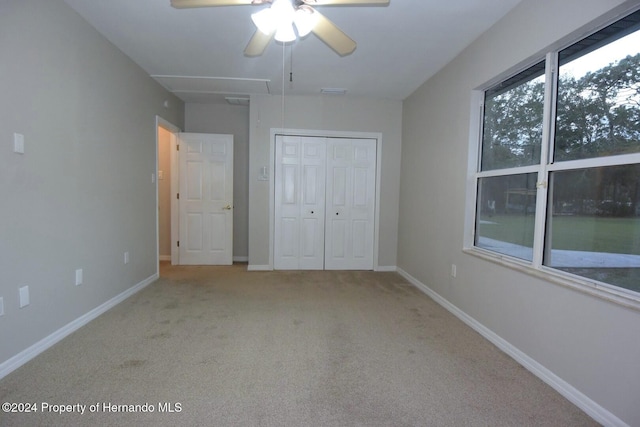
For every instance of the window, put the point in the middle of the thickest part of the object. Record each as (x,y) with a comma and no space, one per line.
(512,131)
(558,176)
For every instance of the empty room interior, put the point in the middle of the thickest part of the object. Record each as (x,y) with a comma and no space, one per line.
(408,213)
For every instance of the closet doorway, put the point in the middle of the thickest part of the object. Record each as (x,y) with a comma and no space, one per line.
(325,202)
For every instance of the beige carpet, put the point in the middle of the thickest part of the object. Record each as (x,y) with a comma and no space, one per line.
(221,346)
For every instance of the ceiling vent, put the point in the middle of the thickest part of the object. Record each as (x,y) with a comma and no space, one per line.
(234,100)
(333,91)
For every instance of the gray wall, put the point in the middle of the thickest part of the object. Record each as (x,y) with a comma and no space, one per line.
(82,194)
(592,344)
(229,119)
(326,113)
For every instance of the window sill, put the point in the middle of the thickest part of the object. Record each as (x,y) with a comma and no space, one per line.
(597,289)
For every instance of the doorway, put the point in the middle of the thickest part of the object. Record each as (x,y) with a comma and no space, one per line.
(202,220)
(166,184)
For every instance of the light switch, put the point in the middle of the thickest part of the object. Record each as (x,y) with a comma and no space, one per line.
(264,174)
(160,175)
(18,143)
(24,296)
(79,277)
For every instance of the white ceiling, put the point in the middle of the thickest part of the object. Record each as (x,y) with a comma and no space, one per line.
(399,46)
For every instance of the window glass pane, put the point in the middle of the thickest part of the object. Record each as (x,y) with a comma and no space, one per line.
(506,214)
(598,105)
(512,128)
(594,227)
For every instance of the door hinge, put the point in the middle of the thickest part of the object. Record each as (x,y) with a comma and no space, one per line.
(178,243)
(178,147)
(178,196)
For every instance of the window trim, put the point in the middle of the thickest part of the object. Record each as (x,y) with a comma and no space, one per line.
(536,268)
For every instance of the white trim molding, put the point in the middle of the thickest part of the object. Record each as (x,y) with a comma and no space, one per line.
(590,407)
(29,353)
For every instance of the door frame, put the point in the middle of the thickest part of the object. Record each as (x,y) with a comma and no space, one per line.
(173,161)
(323,134)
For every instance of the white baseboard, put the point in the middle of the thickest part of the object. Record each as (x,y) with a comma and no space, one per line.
(240,259)
(26,355)
(590,407)
(164,257)
(255,267)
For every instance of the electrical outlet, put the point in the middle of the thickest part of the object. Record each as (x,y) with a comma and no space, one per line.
(454,270)
(126,257)
(24,296)
(79,277)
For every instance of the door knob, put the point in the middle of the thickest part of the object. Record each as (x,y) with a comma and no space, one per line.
(227,208)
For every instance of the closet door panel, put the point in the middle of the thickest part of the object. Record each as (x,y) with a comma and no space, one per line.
(313,161)
(351,166)
(299,202)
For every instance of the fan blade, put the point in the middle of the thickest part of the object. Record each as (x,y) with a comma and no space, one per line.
(258,43)
(344,2)
(333,36)
(183,4)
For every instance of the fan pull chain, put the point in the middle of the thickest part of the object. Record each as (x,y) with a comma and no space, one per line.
(283,72)
(291,65)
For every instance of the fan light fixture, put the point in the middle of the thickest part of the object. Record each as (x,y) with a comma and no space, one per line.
(287,20)
(281,17)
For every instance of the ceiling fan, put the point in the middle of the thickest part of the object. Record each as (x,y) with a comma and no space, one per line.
(278,21)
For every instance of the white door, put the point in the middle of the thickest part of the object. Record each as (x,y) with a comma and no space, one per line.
(206,199)
(299,203)
(350,207)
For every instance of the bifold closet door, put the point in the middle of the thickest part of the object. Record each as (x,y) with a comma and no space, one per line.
(324,203)
(299,203)
(350,204)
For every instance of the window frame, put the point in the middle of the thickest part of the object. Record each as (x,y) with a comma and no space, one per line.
(535,267)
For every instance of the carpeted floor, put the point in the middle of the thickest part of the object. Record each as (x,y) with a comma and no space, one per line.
(220,346)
